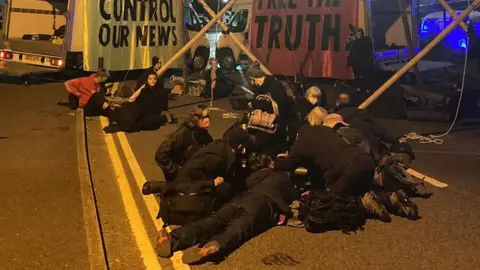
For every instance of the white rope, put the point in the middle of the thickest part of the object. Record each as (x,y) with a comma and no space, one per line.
(436,139)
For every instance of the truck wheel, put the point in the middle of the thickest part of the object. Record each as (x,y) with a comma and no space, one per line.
(226,59)
(200,59)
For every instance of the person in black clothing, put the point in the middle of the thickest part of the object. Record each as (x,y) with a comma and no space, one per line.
(152,101)
(184,142)
(156,65)
(270,136)
(215,78)
(365,123)
(268,196)
(212,172)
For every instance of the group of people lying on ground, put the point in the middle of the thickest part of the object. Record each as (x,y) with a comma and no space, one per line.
(287,162)
(147,106)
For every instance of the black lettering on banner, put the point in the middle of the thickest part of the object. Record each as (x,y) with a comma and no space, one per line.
(281,4)
(164,11)
(328,32)
(151,35)
(152,13)
(312,30)
(163,35)
(289,33)
(337,3)
(103,12)
(143,10)
(275,29)
(271,4)
(292,4)
(116,37)
(261,20)
(130,7)
(174,35)
(172,19)
(124,33)
(117,10)
(104,35)
(142,33)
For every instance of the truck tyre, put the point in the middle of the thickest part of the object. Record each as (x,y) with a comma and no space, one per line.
(200,60)
(226,59)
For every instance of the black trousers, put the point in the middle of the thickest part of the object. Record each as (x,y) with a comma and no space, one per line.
(151,121)
(94,106)
(231,226)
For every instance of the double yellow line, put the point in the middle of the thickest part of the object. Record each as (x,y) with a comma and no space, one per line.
(137,225)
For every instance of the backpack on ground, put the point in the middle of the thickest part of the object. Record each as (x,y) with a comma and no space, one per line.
(125,117)
(325,211)
(262,120)
(392,176)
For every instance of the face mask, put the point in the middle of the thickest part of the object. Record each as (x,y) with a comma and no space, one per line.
(313,100)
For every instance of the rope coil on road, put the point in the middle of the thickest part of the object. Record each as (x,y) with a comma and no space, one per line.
(423,139)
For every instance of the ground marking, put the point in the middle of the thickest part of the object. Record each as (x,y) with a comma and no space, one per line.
(145,247)
(150,202)
(430,180)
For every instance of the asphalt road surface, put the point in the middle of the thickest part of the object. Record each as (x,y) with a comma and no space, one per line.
(42,212)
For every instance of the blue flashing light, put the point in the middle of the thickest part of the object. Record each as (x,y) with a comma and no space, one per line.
(462,43)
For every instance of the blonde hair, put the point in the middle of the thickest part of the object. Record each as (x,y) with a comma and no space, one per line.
(316,116)
(313,91)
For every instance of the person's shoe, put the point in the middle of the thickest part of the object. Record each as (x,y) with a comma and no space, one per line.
(371,203)
(403,206)
(111,129)
(154,187)
(198,255)
(164,246)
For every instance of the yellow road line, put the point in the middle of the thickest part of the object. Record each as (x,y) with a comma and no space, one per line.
(147,252)
(150,201)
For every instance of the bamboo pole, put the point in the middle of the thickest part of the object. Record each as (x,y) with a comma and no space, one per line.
(408,36)
(184,39)
(190,43)
(419,56)
(452,13)
(237,42)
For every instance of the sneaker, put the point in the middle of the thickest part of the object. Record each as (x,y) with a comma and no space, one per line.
(164,246)
(403,206)
(371,203)
(198,255)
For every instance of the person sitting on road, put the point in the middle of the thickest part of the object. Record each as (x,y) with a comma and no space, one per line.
(156,65)
(86,93)
(152,101)
(206,180)
(265,204)
(365,123)
(215,79)
(184,142)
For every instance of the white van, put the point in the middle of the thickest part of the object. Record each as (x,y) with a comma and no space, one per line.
(38,33)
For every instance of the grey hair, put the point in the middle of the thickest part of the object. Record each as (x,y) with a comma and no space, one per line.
(316,116)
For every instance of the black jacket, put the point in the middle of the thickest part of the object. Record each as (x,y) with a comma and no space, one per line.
(178,147)
(275,186)
(213,160)
(364,122)
(152,100)
(323,149)
(144,77)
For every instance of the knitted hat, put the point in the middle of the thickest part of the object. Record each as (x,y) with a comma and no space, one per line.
(155,60)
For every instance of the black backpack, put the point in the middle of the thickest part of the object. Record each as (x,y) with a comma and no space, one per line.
(353,137)
(126,117)
(393,176)
(325,211)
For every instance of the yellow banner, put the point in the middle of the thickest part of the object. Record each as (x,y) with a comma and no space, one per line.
(126,34)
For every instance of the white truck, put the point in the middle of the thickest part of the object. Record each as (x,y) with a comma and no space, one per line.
(229,55)
(50,34)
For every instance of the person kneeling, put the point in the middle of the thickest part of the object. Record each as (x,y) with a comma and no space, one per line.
(267,198)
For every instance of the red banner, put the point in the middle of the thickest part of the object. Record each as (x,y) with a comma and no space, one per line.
(306,36)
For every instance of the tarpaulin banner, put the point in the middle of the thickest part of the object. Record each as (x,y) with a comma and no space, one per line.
(306,36)
(128,33)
